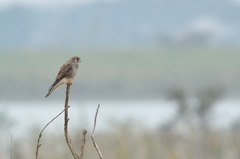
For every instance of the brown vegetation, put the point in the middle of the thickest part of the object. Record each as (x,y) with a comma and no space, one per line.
(68,139)
(182,138)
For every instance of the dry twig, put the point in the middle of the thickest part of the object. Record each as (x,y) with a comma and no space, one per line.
(66,125)
(40,135)
(68,140)
(83,140)
(94,143)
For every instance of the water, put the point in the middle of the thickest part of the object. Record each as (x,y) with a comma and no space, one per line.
(144,113)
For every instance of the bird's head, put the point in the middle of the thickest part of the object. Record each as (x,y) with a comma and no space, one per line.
(76,59)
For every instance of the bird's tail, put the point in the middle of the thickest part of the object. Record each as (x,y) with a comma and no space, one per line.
(54,86)
(51,90)
(48,94)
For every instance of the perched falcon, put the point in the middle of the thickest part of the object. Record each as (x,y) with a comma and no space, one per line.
(66,74)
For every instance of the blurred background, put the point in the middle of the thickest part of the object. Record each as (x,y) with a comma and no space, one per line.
(166,73)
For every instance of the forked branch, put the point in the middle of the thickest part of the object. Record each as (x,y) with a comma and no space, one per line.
(68,140)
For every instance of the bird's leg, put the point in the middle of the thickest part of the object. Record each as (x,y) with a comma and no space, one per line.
(71,83)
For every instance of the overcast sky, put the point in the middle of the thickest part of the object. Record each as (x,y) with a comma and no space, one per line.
(9,3)
(44,3)
(4,4)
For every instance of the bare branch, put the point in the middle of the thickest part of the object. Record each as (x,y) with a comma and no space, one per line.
(68,140)
(82,142)
(40,135)
(94,143)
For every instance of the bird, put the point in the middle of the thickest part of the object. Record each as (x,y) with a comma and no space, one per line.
(66,74)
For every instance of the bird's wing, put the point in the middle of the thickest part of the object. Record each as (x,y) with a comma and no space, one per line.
(63,72)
